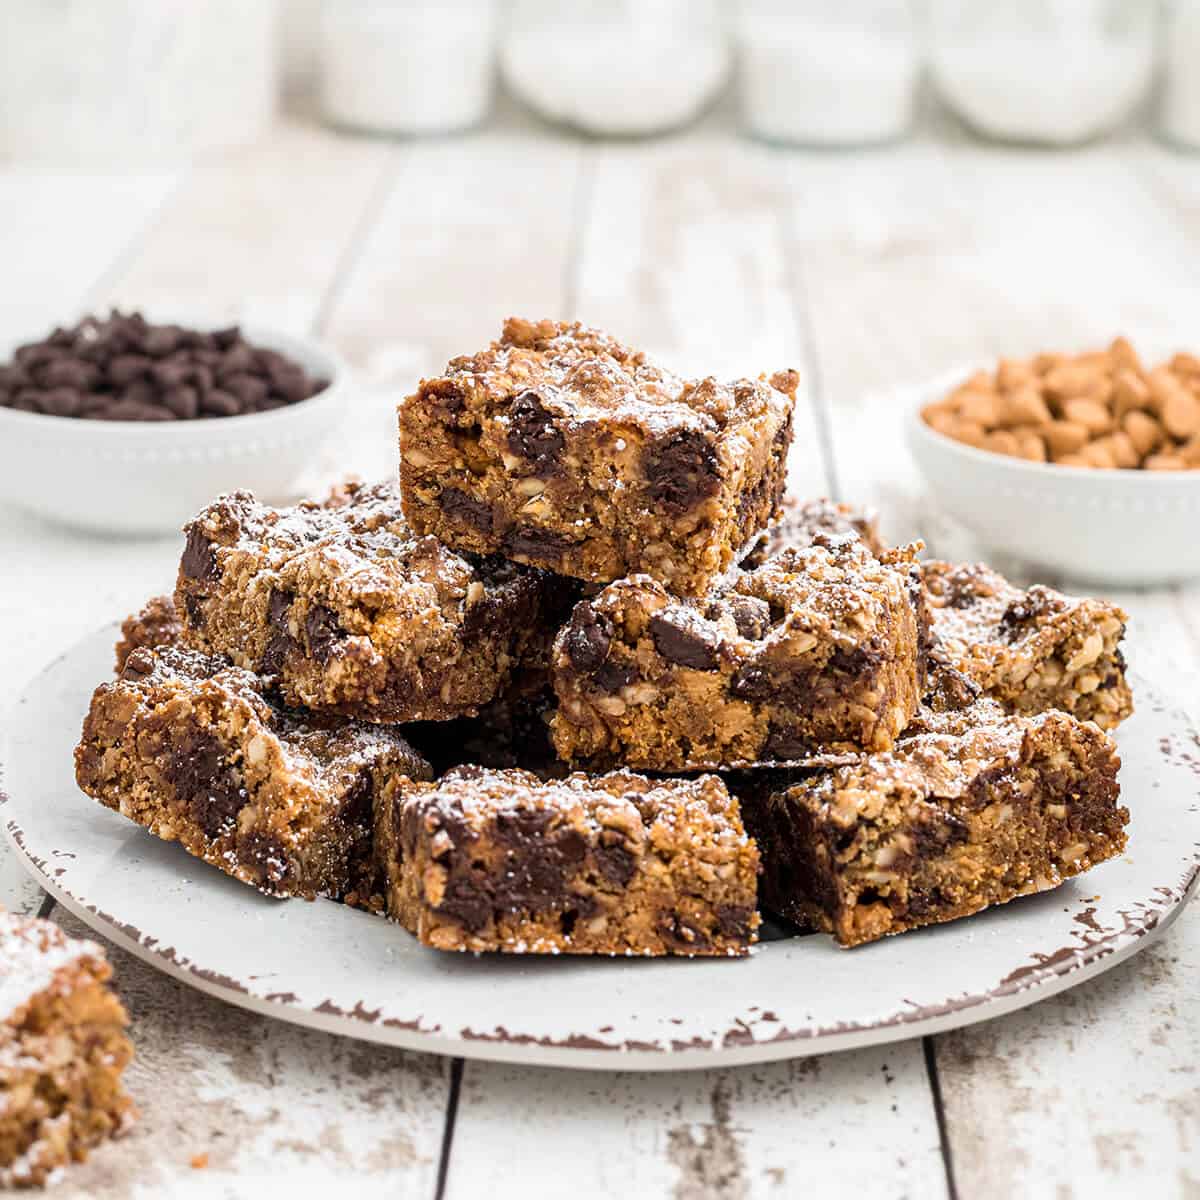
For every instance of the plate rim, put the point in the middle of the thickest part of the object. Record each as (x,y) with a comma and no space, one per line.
(1062,969)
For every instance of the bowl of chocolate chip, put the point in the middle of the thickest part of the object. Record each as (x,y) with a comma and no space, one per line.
(1085,465)
(121,425)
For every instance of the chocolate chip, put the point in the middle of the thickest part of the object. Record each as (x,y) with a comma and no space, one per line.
(752,682)
(733,920)
(677,932)
(682,471)
(518,827)
(183,401)
(357,803)
(209,788)
(570,845)
(615,863)
(786,745)
(278,604)
(449,396)
(220,404)
(61,402)
(265,856)
(195,614)
(199,560)
(323,632)
(612,677)
(587,638)
(541,545)
(128,368)
(160,342)
(466,900)
(680,638)
(247,390)
(457,505)
(276,653)
(854,660)
(751,615)
(133,410)
(531,431)
(238,360)
(70,373)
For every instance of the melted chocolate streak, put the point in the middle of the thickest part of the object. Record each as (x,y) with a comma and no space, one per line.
(1094,942)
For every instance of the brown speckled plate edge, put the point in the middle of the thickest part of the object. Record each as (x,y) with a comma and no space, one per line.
(346,972)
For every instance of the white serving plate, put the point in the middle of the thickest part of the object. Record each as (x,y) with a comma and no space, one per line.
(1113,528)
(337,969)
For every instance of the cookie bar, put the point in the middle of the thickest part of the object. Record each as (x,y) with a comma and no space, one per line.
(352,612)
(559,447)
(802,521)
(510,731)
(200,752)
(62,1050)
(1030,650)
(615,864)
(815,651)
(157,624)
(947,824)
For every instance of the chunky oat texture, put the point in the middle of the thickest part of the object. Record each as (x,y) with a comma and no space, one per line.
(351,611)
(945,825)
(1030,650)
(200,752)
(612,864)
(803,522)
(817,650)
(558,446)
(62,1051)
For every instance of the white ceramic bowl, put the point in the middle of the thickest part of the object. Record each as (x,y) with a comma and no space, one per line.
(1120,528)
(149,477)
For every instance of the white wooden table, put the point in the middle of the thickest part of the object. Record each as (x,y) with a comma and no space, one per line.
(865,270)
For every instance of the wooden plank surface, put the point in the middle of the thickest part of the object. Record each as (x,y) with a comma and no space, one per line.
(915,260)
(780,1130)
(887,267)
(682,247)
(262,1105)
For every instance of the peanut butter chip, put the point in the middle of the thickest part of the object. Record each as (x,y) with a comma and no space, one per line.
(1103,408)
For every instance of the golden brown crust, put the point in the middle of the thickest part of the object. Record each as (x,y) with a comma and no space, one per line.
(945,825)
(815,651)
(1030,650)
(558,446)
(62,1051)
(615,864)
(157,624)
(197,751)
(352,612)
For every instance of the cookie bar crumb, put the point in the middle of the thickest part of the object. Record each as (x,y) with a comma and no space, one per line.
(62,1051)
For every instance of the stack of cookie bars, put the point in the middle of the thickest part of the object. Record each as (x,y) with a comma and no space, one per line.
(584,683)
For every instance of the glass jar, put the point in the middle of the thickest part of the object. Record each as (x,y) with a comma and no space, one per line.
(137,82)
(1056,72)
(407,66)
(826,72)
(1179,103)
(615,67)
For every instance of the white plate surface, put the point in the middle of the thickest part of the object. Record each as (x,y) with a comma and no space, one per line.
(337,969)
